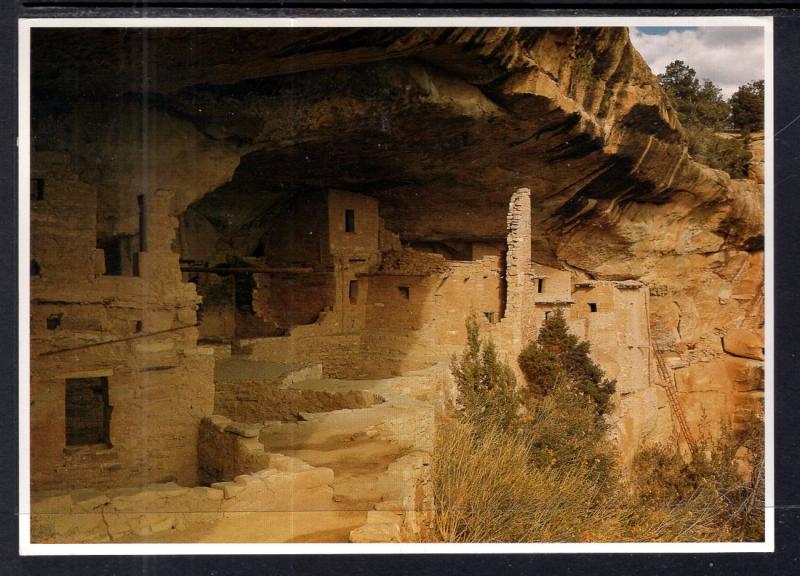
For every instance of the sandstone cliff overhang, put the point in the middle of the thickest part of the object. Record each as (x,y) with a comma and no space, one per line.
(440,125)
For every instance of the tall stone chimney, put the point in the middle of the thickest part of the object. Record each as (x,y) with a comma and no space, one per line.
(519,282)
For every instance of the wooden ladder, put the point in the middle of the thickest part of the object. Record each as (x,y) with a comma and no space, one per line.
(668,383)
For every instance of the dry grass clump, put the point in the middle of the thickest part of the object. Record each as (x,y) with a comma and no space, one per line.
(724,477)
(487,490)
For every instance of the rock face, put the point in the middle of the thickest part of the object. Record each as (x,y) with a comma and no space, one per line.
(441,126)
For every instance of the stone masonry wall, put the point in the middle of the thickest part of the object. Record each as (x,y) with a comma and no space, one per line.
(401,321)
(153,511)
(620,343)
(137,332)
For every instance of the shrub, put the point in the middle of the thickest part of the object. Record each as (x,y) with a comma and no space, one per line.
(486,489)
(703,112)
(713,477)
(557,356)
(728,154)
(552,474)
(562,432)
(747,107)
(486,386)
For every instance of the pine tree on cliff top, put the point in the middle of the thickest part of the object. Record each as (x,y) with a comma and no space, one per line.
(559,357)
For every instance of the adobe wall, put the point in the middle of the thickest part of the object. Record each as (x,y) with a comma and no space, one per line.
(138,332)
(620,343)
(309,231)
(362,243)
(218,321)
(153,511)
(283,301)
(251,401)
(299,234)
(429,326)
(556,293)
(410,312)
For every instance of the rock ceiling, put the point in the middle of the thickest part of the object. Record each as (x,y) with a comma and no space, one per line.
(441,125)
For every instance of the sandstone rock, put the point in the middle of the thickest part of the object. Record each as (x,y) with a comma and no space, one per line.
(51,504)
(89,500)
(390,505)
(384,517)
(243,430)
(313,478)
(744,343)
(69,528)
(287,463)
(230,489)
(387,532)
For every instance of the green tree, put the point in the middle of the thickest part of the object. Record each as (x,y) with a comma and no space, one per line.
(696,103)
(486,386)
(747,107)
(703,112)
(556,357)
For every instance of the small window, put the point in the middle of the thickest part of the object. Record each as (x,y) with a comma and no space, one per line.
(37,189)
(491,317)
(353,291)
(547,314)
(54,321)
(36,270)
(88,414)
(349,220)
(137,326)
(405,292)
(540,285)
(592,307)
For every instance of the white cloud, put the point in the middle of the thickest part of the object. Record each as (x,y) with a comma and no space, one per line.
(728,56)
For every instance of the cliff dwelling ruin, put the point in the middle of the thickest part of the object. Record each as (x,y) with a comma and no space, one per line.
(254,251)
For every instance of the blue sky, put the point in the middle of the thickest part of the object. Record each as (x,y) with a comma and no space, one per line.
(662,30)
(728,56)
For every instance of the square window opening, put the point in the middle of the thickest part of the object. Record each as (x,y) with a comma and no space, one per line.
(119,255)
(405,292)
(349,220)
(88,414)
(54,321)
(592,307)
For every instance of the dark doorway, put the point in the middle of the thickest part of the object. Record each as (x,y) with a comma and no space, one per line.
(353,291)
(88,414)
(37,189)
